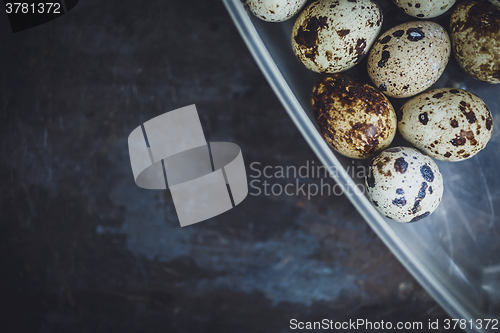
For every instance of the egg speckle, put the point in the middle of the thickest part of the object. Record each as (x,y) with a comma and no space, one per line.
(475,35)
(424,8)
(409,58)
(275,10)
(333,36)
(404,185)
(354,118)
(448,124)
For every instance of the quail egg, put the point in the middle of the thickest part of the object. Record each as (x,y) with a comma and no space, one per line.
(424,8)
(354,118)
(475,36)
(448,124)
(333,36)
(275,10)
(409,58)
(404,184)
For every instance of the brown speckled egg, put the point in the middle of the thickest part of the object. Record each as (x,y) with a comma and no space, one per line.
(448,124)
(333,36)
(404,184)
(354,118)
(475,35)
(275,10)
(424,8)
(409,58)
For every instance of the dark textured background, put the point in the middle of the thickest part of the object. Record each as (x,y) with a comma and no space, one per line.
(83,249)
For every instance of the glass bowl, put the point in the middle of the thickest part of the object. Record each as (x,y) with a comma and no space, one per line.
(455,252)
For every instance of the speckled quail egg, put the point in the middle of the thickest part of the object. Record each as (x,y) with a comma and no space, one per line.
(424,8)
(333,36)
(475,35)
(448,124)
(409,58)
(404,184)
(354,118)
(275,10)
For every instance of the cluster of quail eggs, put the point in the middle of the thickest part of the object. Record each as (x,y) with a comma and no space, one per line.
(358,120)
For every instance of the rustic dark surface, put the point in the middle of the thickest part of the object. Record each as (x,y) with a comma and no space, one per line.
(85,250)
